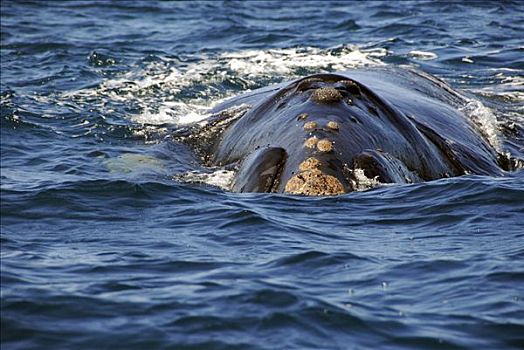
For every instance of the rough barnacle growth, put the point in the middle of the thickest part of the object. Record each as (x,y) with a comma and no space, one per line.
(302,116)
(314,183)
(311,142)
(352,87)
(325,145)
(310,125)
(326,95)
(309,164)
(332,125)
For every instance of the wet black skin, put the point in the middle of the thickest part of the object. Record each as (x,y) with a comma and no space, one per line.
(398,126)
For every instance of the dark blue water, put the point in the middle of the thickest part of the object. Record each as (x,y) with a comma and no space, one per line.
(101,248)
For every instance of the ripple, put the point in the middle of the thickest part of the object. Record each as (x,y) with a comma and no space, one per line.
(101,247)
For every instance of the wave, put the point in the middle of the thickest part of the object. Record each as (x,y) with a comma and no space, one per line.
(180,90)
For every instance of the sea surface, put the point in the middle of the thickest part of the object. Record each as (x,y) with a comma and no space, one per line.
(101,248)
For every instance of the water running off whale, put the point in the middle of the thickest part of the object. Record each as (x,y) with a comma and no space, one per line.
(324,133)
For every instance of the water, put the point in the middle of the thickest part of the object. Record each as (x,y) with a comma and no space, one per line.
(101,248)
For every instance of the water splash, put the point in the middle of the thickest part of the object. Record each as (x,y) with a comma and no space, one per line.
(255,63)
(363,183)
(485,120)
(174,91)
(423,55)
(219,178)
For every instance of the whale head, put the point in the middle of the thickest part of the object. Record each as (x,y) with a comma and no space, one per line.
(316,135)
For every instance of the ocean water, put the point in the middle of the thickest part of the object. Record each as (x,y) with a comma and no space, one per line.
(102,249)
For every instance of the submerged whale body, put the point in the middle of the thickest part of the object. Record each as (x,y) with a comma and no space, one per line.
(325,133)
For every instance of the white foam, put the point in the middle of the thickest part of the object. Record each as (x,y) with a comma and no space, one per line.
(363,182)
(423,55)
(219,178)
(506,87)
(285,61)
(172,113)
(170,91)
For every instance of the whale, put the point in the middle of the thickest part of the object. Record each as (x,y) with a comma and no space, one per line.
(330,134)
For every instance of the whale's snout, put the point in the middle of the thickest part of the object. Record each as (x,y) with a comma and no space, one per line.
(319,172)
